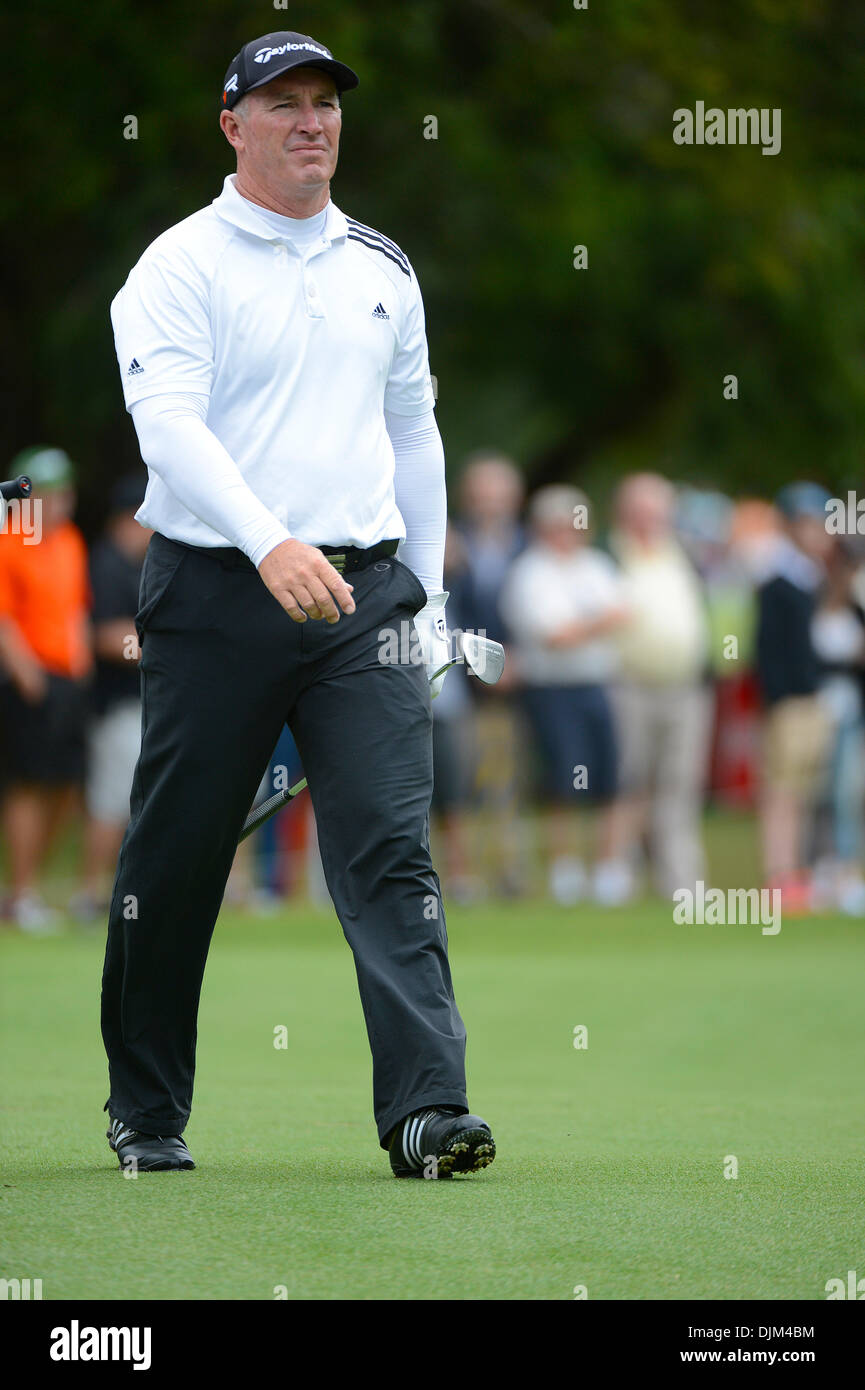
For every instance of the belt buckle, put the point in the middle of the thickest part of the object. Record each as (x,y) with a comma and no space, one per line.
(338,562)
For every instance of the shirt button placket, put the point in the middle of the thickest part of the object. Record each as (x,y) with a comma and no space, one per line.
(313,303)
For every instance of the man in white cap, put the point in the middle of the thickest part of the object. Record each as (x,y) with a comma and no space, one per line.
(274,360)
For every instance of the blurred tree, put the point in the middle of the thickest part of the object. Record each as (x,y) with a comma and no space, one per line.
(554,129)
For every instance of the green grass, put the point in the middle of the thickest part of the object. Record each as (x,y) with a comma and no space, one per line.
(703,1042)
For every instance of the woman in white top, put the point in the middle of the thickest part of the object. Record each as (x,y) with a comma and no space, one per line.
(562,600)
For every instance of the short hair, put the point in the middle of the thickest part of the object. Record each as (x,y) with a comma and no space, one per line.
(243,105)
(556,503)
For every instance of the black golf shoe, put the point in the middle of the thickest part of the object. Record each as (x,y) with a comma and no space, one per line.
(147,1153)
(437,1142)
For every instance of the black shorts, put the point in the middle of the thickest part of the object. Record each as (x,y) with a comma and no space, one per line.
(573,727)
(45,742)
(453,765)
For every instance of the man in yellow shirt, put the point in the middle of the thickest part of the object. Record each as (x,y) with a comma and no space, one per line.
(664,701)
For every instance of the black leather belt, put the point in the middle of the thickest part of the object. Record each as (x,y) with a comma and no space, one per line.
(348,557)
(344,558)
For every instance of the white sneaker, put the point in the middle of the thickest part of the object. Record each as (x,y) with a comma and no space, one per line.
(612,883)
(824,885)
(264,902)
(567,881)
(32,915)
(851,896)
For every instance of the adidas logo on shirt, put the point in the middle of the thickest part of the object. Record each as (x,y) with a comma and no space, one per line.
(379,312)
(134,367)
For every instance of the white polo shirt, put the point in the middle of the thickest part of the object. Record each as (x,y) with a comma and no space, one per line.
(298,349)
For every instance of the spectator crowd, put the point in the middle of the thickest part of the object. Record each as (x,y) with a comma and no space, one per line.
(684,648)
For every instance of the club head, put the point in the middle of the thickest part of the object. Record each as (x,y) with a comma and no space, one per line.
(483,657)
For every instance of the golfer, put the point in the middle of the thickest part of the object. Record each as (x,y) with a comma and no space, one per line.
(274,360)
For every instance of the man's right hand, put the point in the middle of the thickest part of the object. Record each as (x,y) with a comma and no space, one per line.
(31,682)
(304,582)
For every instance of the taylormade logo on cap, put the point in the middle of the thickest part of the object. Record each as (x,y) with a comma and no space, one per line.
(270,55)
(264,55)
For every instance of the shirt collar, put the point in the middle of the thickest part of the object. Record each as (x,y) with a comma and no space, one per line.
(234,208)
(784,560)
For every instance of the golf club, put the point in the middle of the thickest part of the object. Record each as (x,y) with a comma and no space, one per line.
(481,657)
(16,487)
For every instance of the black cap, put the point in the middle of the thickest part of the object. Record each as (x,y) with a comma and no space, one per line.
(265,58)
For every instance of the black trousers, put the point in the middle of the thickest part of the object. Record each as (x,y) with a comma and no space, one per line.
(222,668)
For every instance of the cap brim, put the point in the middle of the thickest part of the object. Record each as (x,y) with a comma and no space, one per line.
(52,484)
(343,76)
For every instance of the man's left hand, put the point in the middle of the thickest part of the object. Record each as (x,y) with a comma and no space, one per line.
(432,630)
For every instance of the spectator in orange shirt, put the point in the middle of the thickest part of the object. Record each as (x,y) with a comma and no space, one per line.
(45,665)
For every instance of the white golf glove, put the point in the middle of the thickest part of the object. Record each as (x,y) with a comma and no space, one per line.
(432,629)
